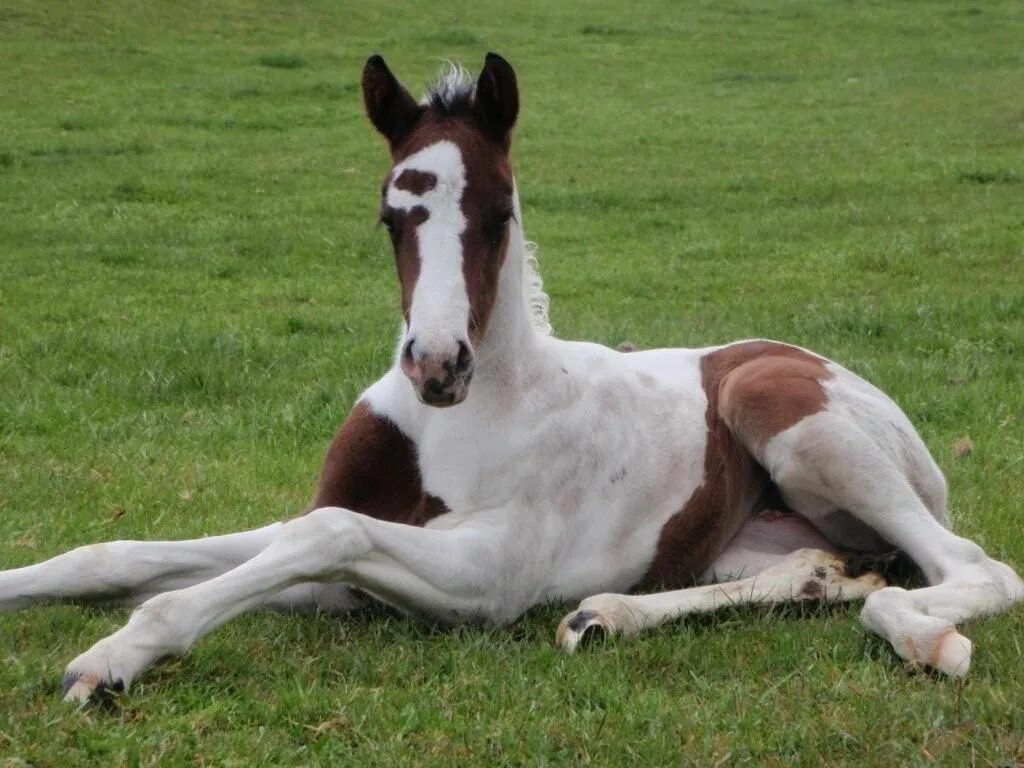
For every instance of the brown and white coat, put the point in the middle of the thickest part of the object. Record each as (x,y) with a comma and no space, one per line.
(495,467)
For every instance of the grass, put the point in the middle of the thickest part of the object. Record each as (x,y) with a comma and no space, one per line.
(192,292)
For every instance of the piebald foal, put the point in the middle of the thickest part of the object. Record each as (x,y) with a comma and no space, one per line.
(567,470)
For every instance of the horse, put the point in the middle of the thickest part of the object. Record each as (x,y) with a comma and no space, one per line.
(495,467)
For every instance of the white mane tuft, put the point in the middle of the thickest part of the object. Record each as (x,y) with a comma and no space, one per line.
(454,86)
(533,288)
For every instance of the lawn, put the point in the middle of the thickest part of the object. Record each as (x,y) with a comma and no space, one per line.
(193,291)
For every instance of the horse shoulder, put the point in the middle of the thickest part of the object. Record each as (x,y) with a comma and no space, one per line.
(372,467)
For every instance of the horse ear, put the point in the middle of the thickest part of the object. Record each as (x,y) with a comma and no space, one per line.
(497,98)
(389,106)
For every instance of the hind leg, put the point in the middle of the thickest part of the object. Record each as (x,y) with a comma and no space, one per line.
(806,574)
(764,541)
(830,456)
(775,557)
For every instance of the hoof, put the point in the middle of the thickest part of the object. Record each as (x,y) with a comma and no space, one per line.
(952,654)
(581,628)
(86,689)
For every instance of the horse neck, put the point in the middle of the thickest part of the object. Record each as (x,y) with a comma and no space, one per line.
(511,336)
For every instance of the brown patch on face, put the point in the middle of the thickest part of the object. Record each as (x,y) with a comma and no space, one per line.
(415,182)
(755,390)
(402,228)
(486,205)
(371,467)
(482,272)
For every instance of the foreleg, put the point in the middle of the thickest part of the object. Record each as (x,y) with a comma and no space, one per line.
(129,572)
(448,575)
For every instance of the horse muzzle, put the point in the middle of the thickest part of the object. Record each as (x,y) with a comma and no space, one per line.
(440,378)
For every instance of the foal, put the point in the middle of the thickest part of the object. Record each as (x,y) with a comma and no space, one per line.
(566,470)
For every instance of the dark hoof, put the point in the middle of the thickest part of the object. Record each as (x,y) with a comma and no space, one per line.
(581,627)
(578,623)
(592,635)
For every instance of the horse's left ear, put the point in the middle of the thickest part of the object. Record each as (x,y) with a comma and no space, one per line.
(389,106)
(497,98)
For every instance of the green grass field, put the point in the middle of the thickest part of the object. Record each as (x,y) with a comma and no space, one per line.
(193,291)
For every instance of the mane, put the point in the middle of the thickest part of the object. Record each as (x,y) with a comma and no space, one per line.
(453,93)
(533,290)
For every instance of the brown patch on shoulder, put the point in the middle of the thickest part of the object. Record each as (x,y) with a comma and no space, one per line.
(371,467)
(755,390)
(416,182)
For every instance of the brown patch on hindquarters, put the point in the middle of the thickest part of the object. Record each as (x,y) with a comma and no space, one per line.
(755,389)
(371,467)
(765,388)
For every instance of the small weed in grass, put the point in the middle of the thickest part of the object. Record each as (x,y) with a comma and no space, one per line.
(129,192)
(992,177)
(248,92)
(598,30)
(454,36)
(282,61)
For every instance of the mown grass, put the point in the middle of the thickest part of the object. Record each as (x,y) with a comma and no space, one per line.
(192,292)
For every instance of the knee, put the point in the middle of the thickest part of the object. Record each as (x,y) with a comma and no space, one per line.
(109,563)
(325,536)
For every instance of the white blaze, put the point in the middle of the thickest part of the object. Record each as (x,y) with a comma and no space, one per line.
(439,315)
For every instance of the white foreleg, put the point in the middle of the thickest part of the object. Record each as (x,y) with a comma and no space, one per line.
(129,572)
(448,575)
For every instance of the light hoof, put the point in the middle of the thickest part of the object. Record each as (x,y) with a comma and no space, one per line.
(83,689)
(952,654)
(580,628)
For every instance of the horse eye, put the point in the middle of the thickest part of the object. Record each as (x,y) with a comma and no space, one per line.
(496,230)
(501,220)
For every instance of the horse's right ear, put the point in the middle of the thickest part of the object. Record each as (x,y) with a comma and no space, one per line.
(389,106)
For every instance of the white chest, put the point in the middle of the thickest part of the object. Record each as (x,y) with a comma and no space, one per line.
(586,468)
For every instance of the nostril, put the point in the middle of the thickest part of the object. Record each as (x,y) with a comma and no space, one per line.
(465,358)
(435,386)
